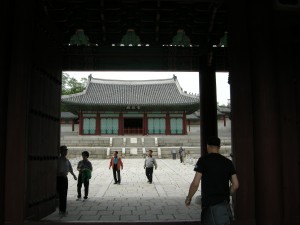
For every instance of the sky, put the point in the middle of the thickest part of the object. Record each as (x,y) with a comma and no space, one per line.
(189,81)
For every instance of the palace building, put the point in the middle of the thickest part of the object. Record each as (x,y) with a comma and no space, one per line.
(137,107)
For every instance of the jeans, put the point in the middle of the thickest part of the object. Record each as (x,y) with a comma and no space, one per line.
(219,214)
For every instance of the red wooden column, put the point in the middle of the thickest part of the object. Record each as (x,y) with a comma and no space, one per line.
(241,114)
(168,127)
(267,145)
(80,123)
(98,124)
(145,122)
(121,127)
(208,100)
(264,81)
(184,123)
(289,98)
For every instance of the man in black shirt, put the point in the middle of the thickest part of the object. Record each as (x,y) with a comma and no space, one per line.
(214,171)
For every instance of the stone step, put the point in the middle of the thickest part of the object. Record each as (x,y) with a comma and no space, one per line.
(140,152)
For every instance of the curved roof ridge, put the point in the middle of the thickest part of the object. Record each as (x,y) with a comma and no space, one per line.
(131,82)
(182,92)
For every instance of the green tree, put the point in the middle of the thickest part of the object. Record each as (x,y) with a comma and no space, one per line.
(71,85)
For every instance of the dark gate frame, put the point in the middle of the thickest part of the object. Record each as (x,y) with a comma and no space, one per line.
(265,98)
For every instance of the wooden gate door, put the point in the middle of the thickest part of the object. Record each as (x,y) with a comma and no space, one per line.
(33,114)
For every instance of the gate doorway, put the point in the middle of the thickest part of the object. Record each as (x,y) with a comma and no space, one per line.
(133,126)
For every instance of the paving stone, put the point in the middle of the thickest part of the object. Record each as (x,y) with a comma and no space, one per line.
(166,217)
(89,218)
(130,218)
(89,213)
(134,199)
(109,218)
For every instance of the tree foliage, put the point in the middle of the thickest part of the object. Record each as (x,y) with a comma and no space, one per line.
(71,85)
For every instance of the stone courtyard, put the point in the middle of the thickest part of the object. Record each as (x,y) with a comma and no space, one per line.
(134,199)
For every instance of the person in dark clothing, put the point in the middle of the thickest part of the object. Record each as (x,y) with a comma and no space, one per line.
(85,172)
(181,154)
(63,168)
(214,171)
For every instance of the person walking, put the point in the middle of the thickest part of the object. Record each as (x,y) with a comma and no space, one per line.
(63,168)
(150,162)
(117,164)
(85,169)
(214,171)
(181,154)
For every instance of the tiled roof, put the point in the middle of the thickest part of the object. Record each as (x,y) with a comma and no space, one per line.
(142,93)
(68,115)
(192,116)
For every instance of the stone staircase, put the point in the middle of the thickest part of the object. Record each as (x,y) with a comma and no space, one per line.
(102,147)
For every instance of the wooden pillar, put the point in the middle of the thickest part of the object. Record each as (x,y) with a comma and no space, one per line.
(264,99)
(145,123)
(98,124)
(184,124)
(288,70)
(241,113)
(168,127)
(121,124)
(208,100)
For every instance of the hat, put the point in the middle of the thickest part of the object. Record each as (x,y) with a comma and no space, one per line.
(213,140)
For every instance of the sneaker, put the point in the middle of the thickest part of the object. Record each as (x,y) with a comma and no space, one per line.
(78,198)
(115,182)
(85,197)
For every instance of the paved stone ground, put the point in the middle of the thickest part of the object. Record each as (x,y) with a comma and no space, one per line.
(134,199)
